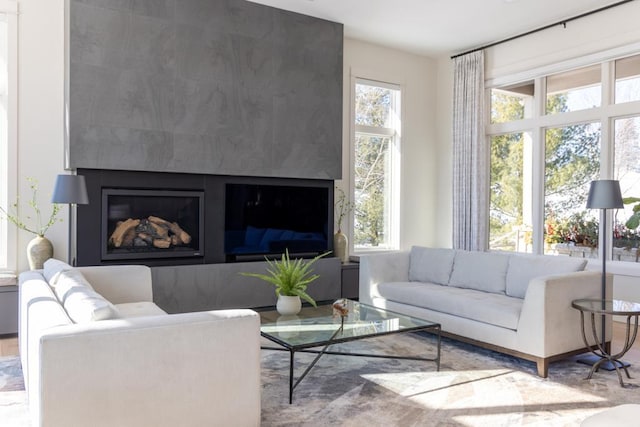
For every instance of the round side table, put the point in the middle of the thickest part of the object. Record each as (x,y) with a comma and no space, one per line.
(600,308)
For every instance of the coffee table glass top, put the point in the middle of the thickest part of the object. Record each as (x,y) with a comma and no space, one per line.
(317,326)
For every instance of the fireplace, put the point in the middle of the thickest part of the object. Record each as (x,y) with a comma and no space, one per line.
(202,207)
(142,224)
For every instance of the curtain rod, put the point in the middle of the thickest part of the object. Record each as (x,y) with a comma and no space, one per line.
(563,23)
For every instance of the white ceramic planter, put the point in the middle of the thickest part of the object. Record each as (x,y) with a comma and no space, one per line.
(288,306)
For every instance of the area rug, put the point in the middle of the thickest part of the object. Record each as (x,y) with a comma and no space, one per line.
(474,387)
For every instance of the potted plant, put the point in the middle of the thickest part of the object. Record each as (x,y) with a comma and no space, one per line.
(39,248)
(290,278)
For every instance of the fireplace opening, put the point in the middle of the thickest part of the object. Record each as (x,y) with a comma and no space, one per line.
(140,224)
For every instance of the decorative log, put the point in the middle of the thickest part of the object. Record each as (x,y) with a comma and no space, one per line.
(182,235)
(159,221)
(160,231)
(118,234)
(162,243)
(129,236)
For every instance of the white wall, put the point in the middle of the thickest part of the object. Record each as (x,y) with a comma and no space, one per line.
(40,112)
(417,77)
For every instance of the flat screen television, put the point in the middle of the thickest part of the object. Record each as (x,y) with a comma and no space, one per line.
(267,219)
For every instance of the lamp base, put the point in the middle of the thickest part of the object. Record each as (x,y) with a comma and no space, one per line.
(592,359)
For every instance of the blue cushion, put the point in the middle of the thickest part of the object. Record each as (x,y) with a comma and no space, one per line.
(269,235)
(253,237)
(287,235)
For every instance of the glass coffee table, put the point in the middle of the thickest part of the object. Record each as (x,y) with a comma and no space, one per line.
(321,327)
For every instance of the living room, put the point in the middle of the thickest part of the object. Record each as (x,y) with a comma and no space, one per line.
(426,79)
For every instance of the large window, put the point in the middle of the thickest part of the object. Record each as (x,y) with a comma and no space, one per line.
(375,169)
(549,139)
(8,144)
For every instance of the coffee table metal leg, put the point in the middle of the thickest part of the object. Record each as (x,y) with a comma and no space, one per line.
(292,386)
(291,353)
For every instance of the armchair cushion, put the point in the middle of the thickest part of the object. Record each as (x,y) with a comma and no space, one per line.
(139,309)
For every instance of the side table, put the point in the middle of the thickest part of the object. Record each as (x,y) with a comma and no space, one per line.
(599,308)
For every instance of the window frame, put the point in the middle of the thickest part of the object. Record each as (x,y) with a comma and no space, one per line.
(8,167)
(539,122)
(395,135)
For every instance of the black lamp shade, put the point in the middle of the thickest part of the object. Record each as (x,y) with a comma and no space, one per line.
(70,189)
(605,194)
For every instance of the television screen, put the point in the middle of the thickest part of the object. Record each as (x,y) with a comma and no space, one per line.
(267,219)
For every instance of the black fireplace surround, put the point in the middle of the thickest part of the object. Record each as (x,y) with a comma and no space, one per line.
(157,218)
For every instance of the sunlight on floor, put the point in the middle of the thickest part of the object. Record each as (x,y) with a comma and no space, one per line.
(488,397)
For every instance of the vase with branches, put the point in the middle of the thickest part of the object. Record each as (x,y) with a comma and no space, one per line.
(39,248)
(342,208)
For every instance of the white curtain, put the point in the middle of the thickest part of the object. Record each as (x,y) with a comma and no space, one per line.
(470,155)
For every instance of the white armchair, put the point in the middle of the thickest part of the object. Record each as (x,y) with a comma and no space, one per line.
(190,369)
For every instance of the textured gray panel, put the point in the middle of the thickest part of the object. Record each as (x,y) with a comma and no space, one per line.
(179,289)
(204,86)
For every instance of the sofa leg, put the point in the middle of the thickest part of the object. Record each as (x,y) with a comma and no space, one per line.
(543,367)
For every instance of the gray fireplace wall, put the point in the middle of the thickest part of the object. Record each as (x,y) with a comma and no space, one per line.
(223,87)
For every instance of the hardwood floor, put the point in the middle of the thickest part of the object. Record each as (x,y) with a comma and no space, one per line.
(9,345)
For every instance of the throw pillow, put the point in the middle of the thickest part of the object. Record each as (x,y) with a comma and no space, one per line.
(430,265)
(523,268)
(483,271)
(52,268)
(80,301)
(66,281)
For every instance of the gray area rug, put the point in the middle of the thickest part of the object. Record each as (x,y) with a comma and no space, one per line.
(474,387)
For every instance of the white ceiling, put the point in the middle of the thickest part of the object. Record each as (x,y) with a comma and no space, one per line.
(438,27)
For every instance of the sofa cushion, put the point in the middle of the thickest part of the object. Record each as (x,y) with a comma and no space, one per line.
(523,268)
(139,309)
(52,268)
(80,301)
(494,309)
(430,265)
(483,271)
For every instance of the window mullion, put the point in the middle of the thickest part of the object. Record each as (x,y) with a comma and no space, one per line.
(537,137)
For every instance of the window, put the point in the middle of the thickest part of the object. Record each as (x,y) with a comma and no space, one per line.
(375,170)
(627,171)
(572,161)
(574,90)
(512,102)
(510,204)
(8,144)
(627,79)
(549,139)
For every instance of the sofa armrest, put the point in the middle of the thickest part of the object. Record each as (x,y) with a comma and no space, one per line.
(381,268)
(120,283)
(184,369)
(548,324)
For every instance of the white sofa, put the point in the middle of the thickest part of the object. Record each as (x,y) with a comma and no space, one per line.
(111,357)
(511,303)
